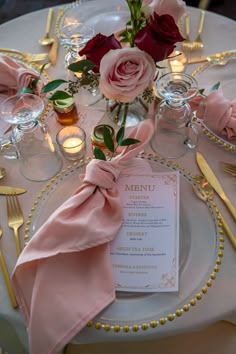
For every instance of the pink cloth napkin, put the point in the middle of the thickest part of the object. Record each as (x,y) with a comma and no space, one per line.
(217,113)
(13,77)
(63,277)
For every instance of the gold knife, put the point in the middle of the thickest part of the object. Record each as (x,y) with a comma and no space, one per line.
(210,176)
(211,57)
(54,48)
(4,190)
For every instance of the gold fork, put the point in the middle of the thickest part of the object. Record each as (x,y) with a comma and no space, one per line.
(187,44)
(26,56)
(228,167)
(7,278)
(197,43)
(15,218)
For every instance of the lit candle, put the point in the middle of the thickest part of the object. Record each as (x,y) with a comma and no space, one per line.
(177,62)
(177,66)
(72,142)
(73,145)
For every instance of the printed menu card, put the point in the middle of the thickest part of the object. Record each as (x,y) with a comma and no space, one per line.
(145,253)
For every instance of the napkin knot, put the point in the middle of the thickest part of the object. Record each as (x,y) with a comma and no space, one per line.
(217,112)
(14,76)
(101,173)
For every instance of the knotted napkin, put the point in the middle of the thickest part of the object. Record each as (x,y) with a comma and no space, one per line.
(217,112)
(63,277)
(14,76)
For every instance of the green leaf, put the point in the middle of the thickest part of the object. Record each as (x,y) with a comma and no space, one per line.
(201,91)
(108,139)
(59,95)
(81,66)
(99,154)
(215,87)
(128,141)
(25,90)
(120,135)
(52,85)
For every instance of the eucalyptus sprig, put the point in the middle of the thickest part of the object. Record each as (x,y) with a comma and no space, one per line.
(109,143)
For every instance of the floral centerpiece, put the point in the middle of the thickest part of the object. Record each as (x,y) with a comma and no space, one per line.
(124,65)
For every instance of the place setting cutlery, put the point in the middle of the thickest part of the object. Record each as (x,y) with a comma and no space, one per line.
(212,179)
(228,168)
(206,193)
(5,190)
(29,57)
(188,45)
(15,218)
(54,48)
(6,277)
(46,39)
(221,58)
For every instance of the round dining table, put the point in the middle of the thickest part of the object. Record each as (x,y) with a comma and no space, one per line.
(218,304)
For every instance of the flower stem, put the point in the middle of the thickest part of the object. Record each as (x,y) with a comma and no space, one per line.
(125,114)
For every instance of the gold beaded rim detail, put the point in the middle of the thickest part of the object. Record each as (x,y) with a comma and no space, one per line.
(193,301)
(206,131)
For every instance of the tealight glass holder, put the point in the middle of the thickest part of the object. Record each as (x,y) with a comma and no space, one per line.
(177,62)
(72,142)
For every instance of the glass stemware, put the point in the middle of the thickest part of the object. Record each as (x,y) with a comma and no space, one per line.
(73,37)
(38,158)
(174,132)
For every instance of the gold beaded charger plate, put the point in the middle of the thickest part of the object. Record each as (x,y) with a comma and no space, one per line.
(201,250)
(107,17)
(210,73)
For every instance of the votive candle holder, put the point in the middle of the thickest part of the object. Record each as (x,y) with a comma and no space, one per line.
(72,142)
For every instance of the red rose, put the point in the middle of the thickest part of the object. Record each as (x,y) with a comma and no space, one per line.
(98,46)
(158,37)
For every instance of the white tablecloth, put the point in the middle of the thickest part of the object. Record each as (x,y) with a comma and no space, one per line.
(220,302)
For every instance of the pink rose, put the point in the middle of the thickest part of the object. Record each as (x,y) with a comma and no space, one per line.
(175,8)
(125,73)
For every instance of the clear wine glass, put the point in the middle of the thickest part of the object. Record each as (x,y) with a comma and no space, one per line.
(73,37)
(174,131)
(38,158)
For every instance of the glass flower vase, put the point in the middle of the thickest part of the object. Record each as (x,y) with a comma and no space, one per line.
(127,114)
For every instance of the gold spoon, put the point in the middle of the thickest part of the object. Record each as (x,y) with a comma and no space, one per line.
(206,193)
(3,172)
(46,40)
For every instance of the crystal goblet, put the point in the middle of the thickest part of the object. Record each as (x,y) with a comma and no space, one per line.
(37,155)
(73,37)
(174,131)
